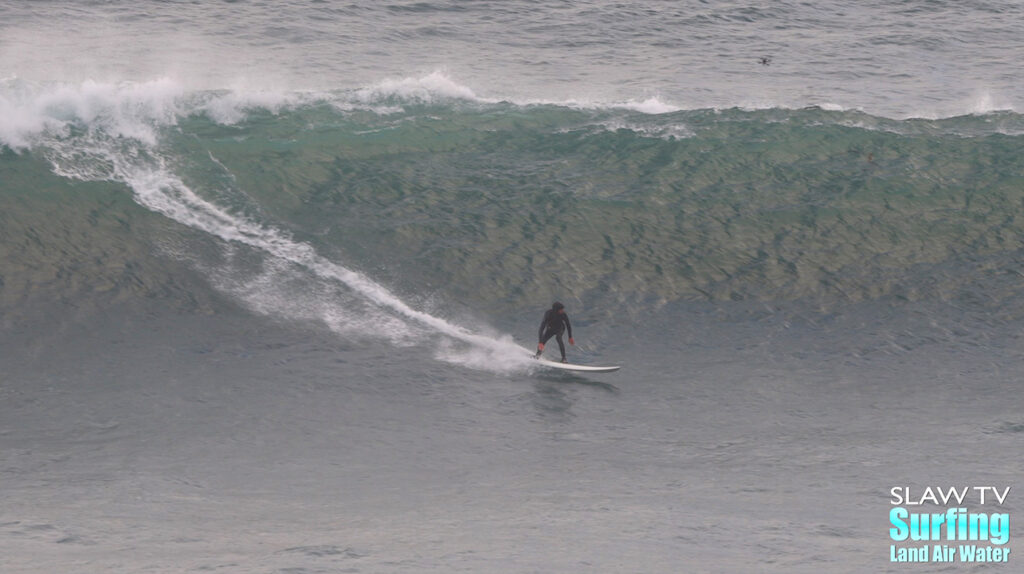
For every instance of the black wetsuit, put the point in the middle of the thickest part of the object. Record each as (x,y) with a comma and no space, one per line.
(553,325)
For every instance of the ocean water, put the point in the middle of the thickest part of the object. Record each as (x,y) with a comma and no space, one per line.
(266,270)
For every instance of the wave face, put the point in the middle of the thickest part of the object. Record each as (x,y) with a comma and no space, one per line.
(361,207)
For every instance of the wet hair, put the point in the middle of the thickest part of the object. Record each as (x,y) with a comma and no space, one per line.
(557,306)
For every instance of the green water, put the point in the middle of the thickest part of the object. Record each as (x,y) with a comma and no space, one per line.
(501,205)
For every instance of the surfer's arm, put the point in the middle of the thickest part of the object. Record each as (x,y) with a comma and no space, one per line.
(568,327)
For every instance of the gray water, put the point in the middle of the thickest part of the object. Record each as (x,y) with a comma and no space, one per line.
(177,444)
(913,58)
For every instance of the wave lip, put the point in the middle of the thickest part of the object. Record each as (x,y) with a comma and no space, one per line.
(123,110)
(138,110)
(432,88)
(652,105)
(439,87)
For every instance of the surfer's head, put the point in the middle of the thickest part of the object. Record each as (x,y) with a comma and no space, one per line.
(557,306)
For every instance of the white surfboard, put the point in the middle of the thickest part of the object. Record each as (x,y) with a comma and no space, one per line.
(574,367)
(578,367)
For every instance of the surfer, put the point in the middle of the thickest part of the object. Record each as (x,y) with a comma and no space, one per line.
(554,323)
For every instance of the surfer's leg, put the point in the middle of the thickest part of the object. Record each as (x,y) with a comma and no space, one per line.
(544,340)
(561,345)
